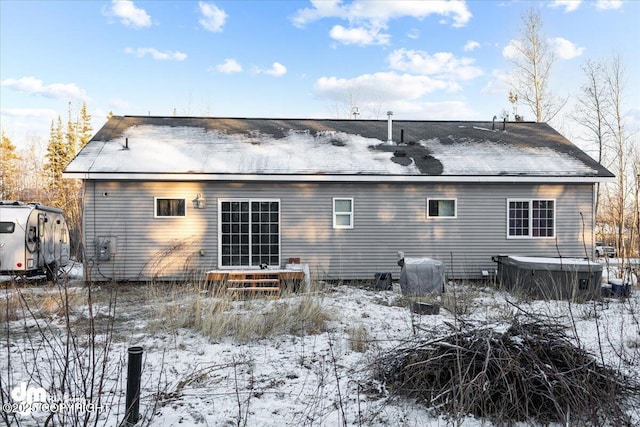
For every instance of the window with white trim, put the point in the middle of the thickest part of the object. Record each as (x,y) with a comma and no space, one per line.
(166,207)
(442,208)
(342,212)
(249,232)
(531,218)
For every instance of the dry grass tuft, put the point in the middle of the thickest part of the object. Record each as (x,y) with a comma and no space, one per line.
(217,313)
(9,305)
(260,318)
(359,338)
(58,302)
(18,303)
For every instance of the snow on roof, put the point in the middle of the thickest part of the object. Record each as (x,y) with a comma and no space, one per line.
(169,145)
(489,158)
(197,150)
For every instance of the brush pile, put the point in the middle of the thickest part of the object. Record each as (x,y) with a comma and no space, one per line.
(524,371)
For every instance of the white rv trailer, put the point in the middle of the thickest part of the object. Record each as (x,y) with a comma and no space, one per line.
(34,239)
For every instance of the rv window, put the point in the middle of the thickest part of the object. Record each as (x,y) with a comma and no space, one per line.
(7,227)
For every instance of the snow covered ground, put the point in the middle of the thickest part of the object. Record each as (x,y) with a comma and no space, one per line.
(320,378)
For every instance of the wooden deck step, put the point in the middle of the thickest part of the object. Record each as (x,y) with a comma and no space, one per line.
(256,281)
(256,289)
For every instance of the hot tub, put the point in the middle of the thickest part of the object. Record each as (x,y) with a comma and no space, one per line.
(574,279)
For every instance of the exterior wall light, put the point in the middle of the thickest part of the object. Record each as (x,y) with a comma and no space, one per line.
(198,202)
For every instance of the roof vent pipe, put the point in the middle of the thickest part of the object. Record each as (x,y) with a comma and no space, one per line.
(504,123)
(493,124)
(389,127)
(126,143)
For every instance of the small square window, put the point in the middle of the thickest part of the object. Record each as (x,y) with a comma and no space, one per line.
(342,213)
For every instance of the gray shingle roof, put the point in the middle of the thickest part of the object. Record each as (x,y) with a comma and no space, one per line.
(288,147)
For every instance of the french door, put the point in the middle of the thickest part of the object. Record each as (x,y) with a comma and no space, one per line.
(249,232)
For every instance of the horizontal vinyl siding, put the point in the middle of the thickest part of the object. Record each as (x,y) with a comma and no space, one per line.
(387,218)
(146,246)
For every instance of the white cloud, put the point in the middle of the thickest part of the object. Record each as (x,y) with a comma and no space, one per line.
(569,5)
(512,49)
(562,48)
(608,4)
(34,86)
(388,86)
(445,110)
(321,9)
(565,49)
(471,45)
(229,66)
(360,36)
(376,14)
(276,70)
(213,18)
(413,34)
(499,84)
(141,52)
(129,14)
(441,64)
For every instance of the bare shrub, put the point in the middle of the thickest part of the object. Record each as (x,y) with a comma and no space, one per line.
(359,338)
(525,371)
(9,304)
(48,348)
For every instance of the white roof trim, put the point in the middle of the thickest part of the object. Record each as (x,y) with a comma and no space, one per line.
(331,178)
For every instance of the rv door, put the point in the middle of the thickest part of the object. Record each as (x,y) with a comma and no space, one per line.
(42,239)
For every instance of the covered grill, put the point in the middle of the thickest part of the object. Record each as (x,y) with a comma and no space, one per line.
(420,276)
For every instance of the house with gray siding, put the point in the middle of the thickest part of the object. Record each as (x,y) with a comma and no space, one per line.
(168,197)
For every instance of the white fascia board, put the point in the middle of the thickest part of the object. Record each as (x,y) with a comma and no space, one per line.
(123,176)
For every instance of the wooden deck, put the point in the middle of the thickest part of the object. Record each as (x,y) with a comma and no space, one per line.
(254,281)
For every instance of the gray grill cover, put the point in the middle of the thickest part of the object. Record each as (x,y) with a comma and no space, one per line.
(421,276)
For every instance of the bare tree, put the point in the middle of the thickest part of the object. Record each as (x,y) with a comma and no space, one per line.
(532,67)
(9,169)
(591,108)
(31,177)
(600,109)
(636,223)
(615,81)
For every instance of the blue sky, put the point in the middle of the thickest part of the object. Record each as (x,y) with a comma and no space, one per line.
(428,60)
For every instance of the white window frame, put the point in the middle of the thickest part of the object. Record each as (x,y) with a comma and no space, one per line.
(155,207)
(350,213)
(455,207)
(530,225)
(248,200)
